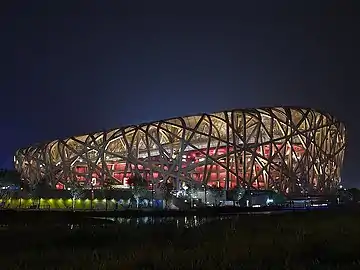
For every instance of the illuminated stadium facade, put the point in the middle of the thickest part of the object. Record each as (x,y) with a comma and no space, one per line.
(284,149)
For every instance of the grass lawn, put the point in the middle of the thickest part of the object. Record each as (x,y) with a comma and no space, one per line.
(311,240)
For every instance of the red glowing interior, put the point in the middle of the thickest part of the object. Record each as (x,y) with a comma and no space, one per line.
(217,173)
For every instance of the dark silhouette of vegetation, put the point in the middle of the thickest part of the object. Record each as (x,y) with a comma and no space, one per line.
(239,192)
(236,194)
(138,186)
(107,189)
(38,190)
(5,196)
(9,181)
(217,193)
(355,194)
(167,188)
(10,178)
(76,192)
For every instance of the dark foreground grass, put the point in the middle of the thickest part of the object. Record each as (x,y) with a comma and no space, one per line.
(326,240)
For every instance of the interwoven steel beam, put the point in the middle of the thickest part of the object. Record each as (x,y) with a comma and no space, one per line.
(285,149)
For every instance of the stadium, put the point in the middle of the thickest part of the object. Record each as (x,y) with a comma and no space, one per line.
(288,150)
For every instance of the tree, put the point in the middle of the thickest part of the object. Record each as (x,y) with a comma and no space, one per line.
(217,193)
(106,191)
(191,192)
(352,194)
(38,189)
(167,187)
(76,192)
(138,187)
(5,195)
(237,193)
(10,178)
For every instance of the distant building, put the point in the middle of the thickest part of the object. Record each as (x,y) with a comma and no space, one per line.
(289,150)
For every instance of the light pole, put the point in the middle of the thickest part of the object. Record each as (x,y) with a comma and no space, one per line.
(93,183)
(20,199)
(92,197)
(204,186)
(185,187)
(152,194)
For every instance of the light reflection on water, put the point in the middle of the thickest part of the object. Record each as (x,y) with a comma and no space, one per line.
(107,222)
(185,221)
(179,222)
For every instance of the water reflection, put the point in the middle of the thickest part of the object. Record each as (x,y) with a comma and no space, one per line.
(108,222)
(179,222)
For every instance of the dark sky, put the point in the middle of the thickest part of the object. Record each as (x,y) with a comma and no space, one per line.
(68,69)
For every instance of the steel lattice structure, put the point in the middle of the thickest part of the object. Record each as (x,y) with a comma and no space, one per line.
(286,149)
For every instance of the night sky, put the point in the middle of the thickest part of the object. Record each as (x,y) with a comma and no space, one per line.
(76,68)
